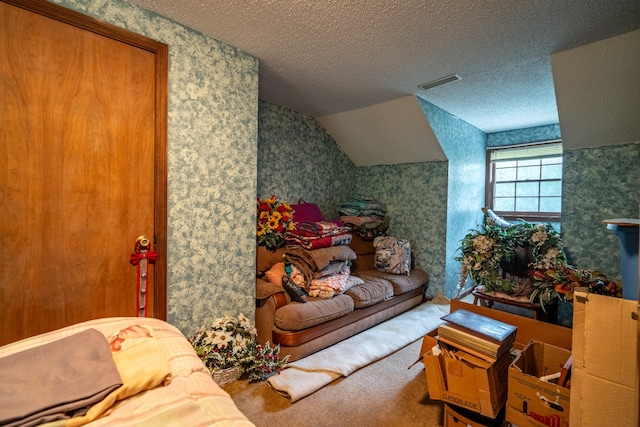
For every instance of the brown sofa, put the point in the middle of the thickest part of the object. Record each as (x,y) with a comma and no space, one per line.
(304,328)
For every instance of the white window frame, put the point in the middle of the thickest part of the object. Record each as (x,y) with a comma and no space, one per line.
(547,149)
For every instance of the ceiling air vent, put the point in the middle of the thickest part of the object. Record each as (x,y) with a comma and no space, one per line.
(440,82)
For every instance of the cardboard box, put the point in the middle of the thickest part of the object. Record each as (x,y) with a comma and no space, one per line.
(604,378)
(472,383)
(455,416)
(531,400)
(528,330)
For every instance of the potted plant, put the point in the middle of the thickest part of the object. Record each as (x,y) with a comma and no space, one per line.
(228,348)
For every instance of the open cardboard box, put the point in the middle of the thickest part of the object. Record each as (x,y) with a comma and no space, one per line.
(469,382)
(480,387)
(604,378)
(532,401)
(455,416)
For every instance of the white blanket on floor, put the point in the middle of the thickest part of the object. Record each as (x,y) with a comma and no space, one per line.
(305,376)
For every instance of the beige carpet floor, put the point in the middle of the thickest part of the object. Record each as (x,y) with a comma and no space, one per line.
(389,392)
(385,393)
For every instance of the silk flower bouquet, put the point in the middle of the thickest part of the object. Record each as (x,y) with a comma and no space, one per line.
(230,342)
(273,220)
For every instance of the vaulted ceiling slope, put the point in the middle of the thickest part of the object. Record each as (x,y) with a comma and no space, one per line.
(598,92)
(354,56)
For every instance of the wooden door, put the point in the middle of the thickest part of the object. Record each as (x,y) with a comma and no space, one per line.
(82,168)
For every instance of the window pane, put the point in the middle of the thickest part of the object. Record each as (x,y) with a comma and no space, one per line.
(527,189)
(529,204)
(504,204)
(528,162)
(552,172)
(551,188)
(506,174)
(507,164)
(507,189)
(550,204)
(551,161)
(528,173)
(527,178)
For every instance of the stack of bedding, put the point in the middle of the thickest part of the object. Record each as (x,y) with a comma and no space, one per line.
(323,272)
(319,234)
(364,216)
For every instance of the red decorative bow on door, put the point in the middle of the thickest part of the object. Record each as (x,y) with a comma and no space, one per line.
(140,257)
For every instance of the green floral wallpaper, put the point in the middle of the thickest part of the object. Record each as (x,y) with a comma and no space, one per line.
(298,159)
(213,104)
(598,183)
(435,204)
(416,198)
(524,136)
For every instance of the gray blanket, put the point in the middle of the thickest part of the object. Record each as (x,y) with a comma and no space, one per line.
(57,380)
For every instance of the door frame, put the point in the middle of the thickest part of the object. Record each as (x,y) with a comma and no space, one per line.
(161,55)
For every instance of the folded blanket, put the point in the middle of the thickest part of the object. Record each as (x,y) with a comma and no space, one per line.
(310,261)
(328,286)
(359,220)
(142,364)
(354,211)
(363,205)
(56,380)
(320,229)
(318,242)
(334,267)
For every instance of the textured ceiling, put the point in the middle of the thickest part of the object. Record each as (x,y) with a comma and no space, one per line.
(324,57)
(332,56)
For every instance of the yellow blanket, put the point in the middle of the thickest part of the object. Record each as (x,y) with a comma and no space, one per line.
(142,366)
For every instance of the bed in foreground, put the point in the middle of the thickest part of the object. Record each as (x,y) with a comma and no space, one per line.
(122,371)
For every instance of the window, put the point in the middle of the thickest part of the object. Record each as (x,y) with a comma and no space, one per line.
(526,182)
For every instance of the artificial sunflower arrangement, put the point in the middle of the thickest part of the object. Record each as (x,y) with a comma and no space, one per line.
(230,342)
(273,220)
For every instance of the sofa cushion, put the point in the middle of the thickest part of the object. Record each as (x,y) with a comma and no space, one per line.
(275,273)
(265,289)
(401,282)
(362,247)
(265,259)
(297,316)
(363,262)
(370,292)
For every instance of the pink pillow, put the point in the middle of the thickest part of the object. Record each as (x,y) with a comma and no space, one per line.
(275,273)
